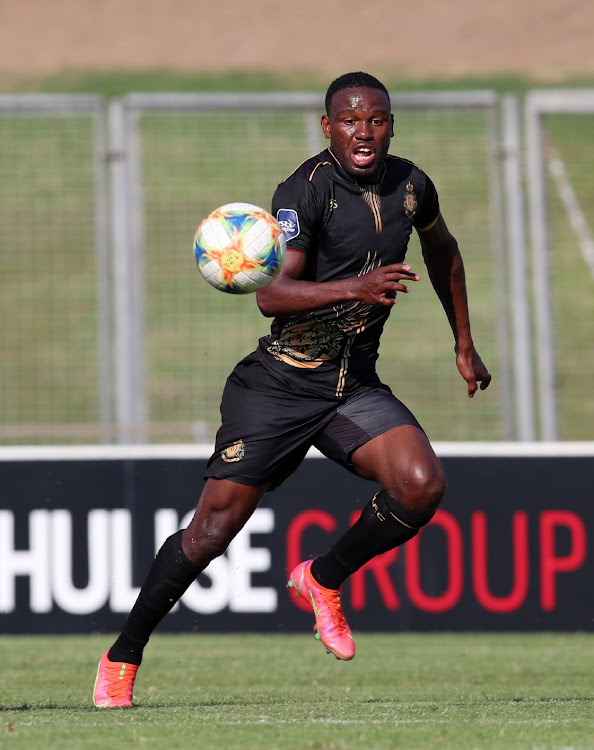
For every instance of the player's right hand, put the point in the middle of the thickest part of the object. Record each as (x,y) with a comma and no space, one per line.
(380,286)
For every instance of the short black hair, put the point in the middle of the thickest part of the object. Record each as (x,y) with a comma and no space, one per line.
(353,81)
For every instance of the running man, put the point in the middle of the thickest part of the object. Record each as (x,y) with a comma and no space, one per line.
(348,214)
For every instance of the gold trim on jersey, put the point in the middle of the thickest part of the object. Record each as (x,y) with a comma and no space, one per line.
(302,364)
(353,316)
(344,366)
(319,164)
(371,195)
(344,362)
(429,226)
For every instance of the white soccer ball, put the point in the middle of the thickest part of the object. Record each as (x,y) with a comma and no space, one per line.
(239,248)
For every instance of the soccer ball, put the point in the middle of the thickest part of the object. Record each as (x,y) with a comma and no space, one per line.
(239,248)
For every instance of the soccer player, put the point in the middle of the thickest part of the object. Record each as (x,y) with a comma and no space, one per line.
(348,214)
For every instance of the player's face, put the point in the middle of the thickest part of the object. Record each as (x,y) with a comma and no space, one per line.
(360,126)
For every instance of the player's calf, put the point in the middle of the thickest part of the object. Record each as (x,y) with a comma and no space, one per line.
(383,525)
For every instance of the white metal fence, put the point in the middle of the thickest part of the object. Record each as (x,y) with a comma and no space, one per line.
(55,340)
(109,334)
(560,165)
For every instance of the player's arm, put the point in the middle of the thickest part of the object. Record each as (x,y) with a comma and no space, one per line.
(446,271)
(289,294)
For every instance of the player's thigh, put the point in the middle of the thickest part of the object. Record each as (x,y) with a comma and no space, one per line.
(400,458)
(366,415)
(377,437)
(403,462)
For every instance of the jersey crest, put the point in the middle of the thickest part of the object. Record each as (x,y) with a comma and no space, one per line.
(410,201)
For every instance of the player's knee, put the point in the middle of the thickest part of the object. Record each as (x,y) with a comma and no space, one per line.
(223,509)
(429,488)
(207,540)
(422,489)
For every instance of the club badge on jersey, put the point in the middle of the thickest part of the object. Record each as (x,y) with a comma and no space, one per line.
(410,201)
(289,221)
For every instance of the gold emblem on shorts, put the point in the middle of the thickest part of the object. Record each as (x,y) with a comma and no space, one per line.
(410,200)
(234,452)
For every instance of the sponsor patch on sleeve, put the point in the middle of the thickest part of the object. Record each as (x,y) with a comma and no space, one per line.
(289,221)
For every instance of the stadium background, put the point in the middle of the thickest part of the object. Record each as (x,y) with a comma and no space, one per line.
(517,44)
(51,358)
(546,40)
(512,549)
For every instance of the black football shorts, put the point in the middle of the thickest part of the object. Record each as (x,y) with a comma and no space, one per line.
(266,430)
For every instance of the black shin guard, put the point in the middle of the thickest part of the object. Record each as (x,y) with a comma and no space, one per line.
(383,525)
(167,580)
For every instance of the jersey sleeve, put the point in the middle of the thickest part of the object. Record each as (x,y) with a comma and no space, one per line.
(428,209)
(298,207)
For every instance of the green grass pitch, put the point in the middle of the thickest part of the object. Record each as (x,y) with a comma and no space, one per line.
(458,691)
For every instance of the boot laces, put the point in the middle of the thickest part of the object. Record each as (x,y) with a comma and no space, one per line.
(119,684)
(333,602)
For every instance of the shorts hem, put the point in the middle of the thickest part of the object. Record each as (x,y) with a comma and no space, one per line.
(237,478)
(400,423)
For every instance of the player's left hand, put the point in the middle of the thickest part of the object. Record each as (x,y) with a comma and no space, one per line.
(472,369)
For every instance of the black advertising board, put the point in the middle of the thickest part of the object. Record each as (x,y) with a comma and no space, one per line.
(510,548)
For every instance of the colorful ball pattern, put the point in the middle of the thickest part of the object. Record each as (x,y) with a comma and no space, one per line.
(239,248)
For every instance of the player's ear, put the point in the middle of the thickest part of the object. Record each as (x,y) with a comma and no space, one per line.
(326,126)
(392,128)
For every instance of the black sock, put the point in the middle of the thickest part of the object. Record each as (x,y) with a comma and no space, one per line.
(168,578)
(382,525)
(328,571)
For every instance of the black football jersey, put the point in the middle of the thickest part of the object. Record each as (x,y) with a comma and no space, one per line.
(345,229)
